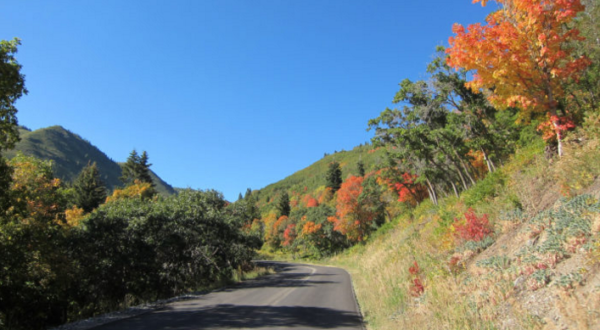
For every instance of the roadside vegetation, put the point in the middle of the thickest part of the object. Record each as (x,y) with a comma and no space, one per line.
(483,210)
(72,250)
(476,205)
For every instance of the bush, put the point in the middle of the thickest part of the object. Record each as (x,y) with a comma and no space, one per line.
(490,186)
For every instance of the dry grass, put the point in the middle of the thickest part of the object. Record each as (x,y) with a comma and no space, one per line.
(494,289)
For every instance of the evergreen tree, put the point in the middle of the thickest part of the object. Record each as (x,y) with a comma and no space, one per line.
(136,168)
(283,207)
(240,197)
(89,189)
(252,212)
(248,193)
(144,169)
(361,168)
(334,176)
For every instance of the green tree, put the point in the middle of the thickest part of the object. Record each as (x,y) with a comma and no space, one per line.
(334,176)
(248,193)
(360,167)
(136,168)
(89,190)
(283,206)
(35,271)
(12,87)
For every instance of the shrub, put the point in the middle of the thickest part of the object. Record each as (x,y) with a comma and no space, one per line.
(490,186)
(473,228)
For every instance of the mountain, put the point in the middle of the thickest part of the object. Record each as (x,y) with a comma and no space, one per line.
(70,153)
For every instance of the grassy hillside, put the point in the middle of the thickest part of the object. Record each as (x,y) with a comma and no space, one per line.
(312,177)
(539,268)
(70,153)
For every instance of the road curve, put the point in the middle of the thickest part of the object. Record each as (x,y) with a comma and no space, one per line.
(297,297)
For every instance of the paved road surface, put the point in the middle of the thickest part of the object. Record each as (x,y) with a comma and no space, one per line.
(297,297)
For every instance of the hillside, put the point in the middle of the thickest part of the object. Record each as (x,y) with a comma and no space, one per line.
(70,153)
(312,177)
(537,268)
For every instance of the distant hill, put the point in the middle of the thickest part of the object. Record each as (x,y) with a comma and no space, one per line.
(313,176)
(71,153)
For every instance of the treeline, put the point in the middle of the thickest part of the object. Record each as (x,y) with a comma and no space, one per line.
(61,263)
(529,75)
(72,250)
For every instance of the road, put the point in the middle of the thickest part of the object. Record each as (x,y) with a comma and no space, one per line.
(297,297)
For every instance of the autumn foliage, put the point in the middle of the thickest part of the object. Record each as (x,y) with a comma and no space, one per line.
(472,228)
(416,288)
(403,184)
(310,201)
(355,214)
(523,55)
(289,235)
(138,189)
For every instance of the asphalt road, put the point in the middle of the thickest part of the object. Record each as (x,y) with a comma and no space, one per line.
(297,297)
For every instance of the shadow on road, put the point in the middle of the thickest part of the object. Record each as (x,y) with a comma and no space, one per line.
(236,317)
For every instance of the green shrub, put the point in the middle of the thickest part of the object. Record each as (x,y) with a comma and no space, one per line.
(490,186)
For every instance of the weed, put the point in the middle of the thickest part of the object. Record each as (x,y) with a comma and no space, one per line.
(497,263)
(568,281)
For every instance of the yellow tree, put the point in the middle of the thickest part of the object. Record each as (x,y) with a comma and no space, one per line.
(524,56)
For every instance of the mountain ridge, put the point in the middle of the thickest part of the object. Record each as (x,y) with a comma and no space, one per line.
(70,153)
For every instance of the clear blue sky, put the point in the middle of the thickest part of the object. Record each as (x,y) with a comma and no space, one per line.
(222,94)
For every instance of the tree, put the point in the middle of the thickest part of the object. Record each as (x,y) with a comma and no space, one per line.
(334,176)
(34,273)
(360,167)
(439,127)
(358,209)
(136,168)
(248,193)
(524,57)
(12,87)
(283,206)
(89,189)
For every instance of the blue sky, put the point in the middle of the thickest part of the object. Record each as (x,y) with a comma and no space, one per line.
(222,94)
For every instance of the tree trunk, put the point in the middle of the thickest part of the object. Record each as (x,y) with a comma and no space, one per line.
(454,188)
(431,191)
(558,137)
(462,163)
(488,161)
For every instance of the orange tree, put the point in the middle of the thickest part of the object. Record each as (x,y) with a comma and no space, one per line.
(358,208)
(524,56)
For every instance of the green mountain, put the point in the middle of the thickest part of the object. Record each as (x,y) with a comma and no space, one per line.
(70,153)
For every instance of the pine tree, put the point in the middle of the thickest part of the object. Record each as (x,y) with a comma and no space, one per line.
(90,191)
(136,168)
(144,169)
(248,193)
(334,176)
(284,205)
(361,168)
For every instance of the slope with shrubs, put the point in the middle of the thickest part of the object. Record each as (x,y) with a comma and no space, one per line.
(520,250)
